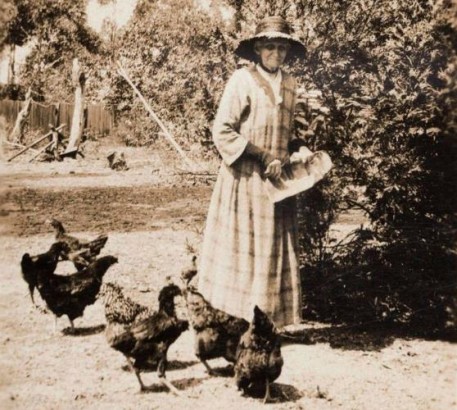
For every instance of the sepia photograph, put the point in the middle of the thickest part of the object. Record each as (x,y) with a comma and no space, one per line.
(222,204)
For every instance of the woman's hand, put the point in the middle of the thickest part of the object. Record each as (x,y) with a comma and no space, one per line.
(300,156)
(273,169)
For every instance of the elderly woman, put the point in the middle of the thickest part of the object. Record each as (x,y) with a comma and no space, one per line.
(249,251)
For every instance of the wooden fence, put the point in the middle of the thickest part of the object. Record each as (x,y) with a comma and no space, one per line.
(98,120)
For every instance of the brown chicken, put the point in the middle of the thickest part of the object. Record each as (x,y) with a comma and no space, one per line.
(81,252)
(142,335)
(70,294)
(44,264)
(188,274)
(216,332)
(258,358)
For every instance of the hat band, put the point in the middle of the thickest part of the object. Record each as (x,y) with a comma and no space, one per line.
(273,34)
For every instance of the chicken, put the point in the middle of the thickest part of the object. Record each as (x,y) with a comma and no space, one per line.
(44,263)
(188,274)
(120,308)
(216,332)
(144,339)
(69,295)
(81,253)
(258,357)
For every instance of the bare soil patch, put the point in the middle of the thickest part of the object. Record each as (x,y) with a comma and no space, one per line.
(151,213)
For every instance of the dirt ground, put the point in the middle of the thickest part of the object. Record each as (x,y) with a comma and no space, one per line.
(152,215)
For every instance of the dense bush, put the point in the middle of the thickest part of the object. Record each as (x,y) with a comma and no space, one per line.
(386,73)
(12,92)
(179,59)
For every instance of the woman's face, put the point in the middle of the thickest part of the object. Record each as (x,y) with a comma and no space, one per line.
(272,53)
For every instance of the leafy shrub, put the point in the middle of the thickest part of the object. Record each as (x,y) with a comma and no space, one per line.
(12,92)
(177,56)
(386,77)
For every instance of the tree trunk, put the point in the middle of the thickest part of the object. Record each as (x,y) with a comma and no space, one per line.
(12,65)
(17,134)
(77,124)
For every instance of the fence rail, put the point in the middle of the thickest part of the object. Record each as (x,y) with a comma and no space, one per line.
(98,120)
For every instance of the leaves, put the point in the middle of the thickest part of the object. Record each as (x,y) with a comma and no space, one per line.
(179,61)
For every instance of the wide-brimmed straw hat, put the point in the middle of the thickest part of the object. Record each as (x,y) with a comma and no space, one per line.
(274,27)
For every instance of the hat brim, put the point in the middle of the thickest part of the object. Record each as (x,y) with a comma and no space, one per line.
(245,48)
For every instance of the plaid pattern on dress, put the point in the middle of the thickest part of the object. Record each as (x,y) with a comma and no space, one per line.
(248,255)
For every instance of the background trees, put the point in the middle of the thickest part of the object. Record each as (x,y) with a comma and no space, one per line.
(179,58)
(56,32)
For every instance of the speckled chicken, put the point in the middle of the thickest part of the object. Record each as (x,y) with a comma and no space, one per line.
(141,335)
(120,308)
(70,294)
(258,358)
(216,332)
(44,264)
(81,252)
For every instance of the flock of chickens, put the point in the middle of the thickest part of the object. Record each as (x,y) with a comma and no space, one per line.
(144,335)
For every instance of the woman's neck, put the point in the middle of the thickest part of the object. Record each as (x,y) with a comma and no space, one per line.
(268,70)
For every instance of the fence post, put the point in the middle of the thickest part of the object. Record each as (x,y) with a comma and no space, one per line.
(18,131)
(77,125)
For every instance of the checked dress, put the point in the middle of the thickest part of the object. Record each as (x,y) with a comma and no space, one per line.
(249,250)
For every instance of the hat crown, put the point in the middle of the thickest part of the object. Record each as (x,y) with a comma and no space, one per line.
(273,24)
(271,27)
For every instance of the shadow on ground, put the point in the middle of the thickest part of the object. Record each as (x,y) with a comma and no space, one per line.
(84,331)
(279,393)
(356,337)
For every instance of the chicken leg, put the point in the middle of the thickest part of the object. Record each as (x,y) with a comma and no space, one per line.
(267,398)
(72,326)
(163,380)
(137,374)
(31,291)
(208,368)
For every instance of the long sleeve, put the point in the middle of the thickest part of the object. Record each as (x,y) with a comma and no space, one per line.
(226,128)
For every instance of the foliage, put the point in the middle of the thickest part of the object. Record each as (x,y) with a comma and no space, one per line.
(385,72)
(8,12)
(57,32)
(12,92)
(177,56)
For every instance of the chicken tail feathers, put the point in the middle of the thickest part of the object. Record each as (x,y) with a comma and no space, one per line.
(26,260)
(97,244)
(29,273)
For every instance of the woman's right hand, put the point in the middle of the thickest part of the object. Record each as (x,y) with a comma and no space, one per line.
(273,169)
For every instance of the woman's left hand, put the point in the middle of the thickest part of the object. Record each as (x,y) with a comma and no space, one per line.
(273,170)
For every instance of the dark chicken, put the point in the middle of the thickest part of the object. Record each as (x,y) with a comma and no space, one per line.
(258,358)
(44,264)
(145,339)
(81,253)
(216,332)
(70,294)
